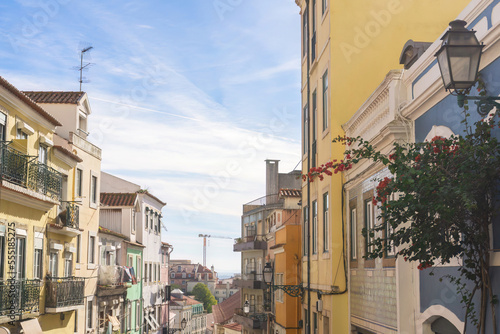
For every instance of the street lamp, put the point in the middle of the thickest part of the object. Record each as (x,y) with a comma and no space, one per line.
(291,290)
(183,326)
(246,307)
(458,60)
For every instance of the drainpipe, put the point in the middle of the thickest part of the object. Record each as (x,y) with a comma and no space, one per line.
(308,324)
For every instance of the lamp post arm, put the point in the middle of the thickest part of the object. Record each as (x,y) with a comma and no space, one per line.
(484,103)
(291,290)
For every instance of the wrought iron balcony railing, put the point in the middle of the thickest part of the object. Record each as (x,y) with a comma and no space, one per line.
(71,216)
(19,297)
(23,170)
(64,292)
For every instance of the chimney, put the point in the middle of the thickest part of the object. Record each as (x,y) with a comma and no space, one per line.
(272,177)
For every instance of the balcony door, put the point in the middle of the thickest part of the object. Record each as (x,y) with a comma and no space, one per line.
(53,264)
(20,258)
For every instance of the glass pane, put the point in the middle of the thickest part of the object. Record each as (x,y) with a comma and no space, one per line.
(444,67)
(463,63)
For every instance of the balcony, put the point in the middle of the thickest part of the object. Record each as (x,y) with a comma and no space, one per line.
(251,242)
(113,280)
(25,173)
(19,298)
(255,319)
(69,220)
(251,280)
(64,294)
(269,201)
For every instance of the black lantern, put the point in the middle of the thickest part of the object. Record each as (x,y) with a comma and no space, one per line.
(459,57)
(268,273)
(183,323)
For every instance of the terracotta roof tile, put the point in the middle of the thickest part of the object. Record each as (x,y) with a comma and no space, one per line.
(23,97)
(234,326)
(116,234)
(225,310)
(290,193)
(55,97)
(118,199)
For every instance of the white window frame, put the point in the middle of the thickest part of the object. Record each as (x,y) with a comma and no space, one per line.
(314,228)
(326,114)
(137,314)
(91,256)
(369,224)
(43,154)
(94,190)
(354,234)
(89,316)
(78,182)
(326,223)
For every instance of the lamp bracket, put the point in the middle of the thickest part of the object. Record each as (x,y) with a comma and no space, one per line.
(484,103)
(291,290)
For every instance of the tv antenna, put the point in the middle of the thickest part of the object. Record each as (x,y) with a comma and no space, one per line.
(82,67)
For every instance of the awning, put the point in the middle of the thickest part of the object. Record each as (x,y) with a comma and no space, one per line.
(31,326)
(154,321)
(114,322)
(149,321)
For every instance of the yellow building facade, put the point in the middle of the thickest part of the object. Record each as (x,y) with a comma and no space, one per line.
(347,47)
(37,232)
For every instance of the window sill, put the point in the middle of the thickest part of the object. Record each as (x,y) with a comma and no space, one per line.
(326,131)
(354,263)
(91,266)
(93,205)
(325,255)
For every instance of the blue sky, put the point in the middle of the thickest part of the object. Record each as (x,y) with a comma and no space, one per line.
(188,97)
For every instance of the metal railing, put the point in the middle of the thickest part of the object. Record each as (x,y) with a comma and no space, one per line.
(19,296)
(23,170)
(64,291)
(72,215)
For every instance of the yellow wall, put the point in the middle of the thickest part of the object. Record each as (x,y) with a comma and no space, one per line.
(288,262)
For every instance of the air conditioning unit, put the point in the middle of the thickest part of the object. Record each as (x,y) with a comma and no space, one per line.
(319,306)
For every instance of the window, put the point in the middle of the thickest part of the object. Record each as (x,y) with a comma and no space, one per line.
(315,323)
(129,316)
(313,128)
(146,220)
(3,126)
(20,134)
(314,232)
(304,33)
(325,100)
(78,242)
(326,224)
(78,182)
(279,293)
(89,313)
(37,263)
(313,37)
(20,257)
(145,272)
(133,221)
(139,267)
(151,219)
(154,272)
(324,5)
(68,265)
(137,314)
(306,231)
(368,225)
(2,252)
(75,324)
(306,130)
(354,235)
(172,275)
(91,249)
(42,154)
(53,264)
(93,190)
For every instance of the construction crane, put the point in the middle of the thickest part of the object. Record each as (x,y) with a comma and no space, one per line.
(205,236)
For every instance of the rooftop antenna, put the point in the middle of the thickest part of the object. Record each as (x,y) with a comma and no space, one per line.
(82,67)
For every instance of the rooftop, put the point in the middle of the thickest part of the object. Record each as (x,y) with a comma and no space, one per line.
(55,97)
(118,199)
